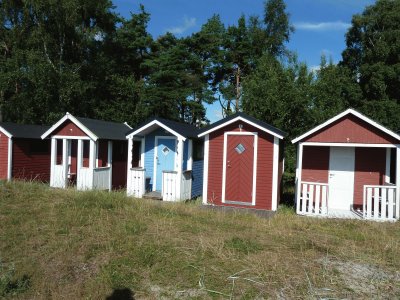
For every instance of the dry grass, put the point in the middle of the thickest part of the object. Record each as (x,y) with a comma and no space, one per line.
(68,244)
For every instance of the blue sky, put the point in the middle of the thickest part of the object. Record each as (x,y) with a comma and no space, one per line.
(320,25)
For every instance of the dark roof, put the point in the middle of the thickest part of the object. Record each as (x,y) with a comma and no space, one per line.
(247,117)
(184,129)
(24,131)
(105,129)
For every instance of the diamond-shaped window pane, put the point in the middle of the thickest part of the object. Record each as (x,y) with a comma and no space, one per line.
(165,150)
(240,148)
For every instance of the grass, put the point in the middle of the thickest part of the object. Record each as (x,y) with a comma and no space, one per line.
(68,244)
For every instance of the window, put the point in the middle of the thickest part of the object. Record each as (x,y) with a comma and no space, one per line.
(198,150)
(85,150)
(240,148)
(59,151)
(136,146)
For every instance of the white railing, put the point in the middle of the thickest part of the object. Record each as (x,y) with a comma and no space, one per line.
(170,190)
(186,185)
(136,182)
(169,185)
(58,176)
(313,198)
(380,203)
(84,179)
(102,178)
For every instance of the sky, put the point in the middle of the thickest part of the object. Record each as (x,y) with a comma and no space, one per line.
(320,25)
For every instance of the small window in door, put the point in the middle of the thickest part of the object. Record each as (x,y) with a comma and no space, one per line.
(240,148)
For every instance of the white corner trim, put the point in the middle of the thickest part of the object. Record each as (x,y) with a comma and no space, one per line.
(9,161)
(74,120)
(158,123)
(5,132)
(225,155)
(346,112)
(239,118)
(189,164)
(387,169)
(275,172)
(398,182)
(205,168)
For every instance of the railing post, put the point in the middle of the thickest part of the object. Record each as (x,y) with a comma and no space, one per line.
(298,176)
(397,199)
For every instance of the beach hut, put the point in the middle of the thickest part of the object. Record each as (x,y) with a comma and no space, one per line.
(23,154)
(87,153)
(348,167)
(243,163)
(165,161)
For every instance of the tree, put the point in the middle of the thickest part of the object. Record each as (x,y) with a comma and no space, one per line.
(49,51)
(372,56)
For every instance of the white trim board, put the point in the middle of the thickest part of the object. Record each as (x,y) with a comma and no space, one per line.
(275,176)
(74,120)
(349,145)
(205,167)
(5,132)
(158,123)
(341,115)
(254,188)
(9,160)
(240,118)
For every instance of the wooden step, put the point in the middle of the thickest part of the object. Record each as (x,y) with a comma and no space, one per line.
(153,195)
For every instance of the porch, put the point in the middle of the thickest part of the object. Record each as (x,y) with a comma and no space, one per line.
(379,203)
(174,187)
(81,162)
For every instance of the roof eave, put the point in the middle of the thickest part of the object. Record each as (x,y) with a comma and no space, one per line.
(158,123)
(341,115)
(240,118)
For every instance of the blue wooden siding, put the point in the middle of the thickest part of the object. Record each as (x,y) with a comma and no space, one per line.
(197,178)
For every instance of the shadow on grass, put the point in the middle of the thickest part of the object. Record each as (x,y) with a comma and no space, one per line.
(121,294)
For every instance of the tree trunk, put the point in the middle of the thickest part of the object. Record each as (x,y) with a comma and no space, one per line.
(237,89)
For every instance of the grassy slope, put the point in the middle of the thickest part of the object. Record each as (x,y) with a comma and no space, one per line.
(72,245)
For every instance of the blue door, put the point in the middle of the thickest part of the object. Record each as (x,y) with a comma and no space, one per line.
(165,159)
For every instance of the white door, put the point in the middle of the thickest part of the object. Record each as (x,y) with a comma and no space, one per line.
(341,178)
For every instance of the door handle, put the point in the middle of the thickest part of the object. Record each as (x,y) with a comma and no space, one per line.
(229,163)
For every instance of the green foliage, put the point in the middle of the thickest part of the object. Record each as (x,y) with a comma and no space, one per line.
(372,56)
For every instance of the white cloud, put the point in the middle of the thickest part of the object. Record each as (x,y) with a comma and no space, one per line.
(315,69)
(187,24)
(322,26)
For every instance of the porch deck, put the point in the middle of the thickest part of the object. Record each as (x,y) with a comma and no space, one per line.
(153,195)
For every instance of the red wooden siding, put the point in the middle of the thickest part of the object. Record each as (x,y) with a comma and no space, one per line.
(68,129)
(264,166)
(370,166)
(315,165)
(119,164)
(3,155)
(27,164)
(351,129)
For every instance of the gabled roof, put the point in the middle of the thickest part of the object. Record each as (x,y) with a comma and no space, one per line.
(179,129)
(13,130)
(95,129)
(244,118)
(343,114)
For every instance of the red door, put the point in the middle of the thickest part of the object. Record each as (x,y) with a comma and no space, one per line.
(239,168)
